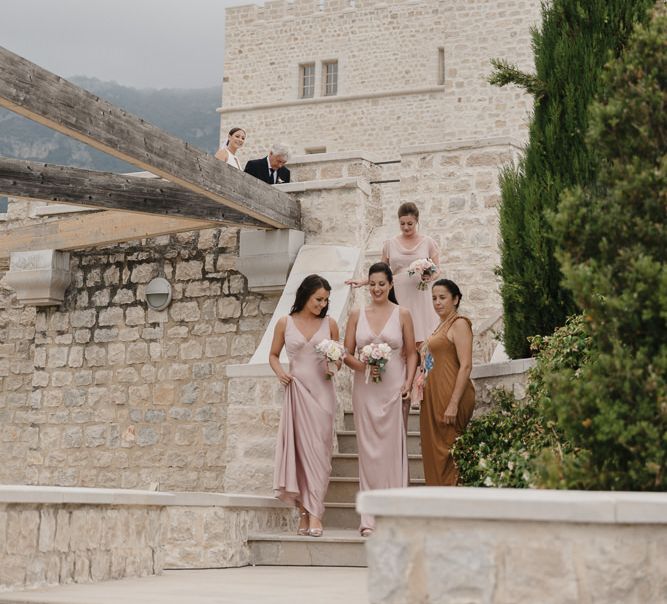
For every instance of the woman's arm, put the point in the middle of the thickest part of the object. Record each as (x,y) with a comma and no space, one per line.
(335,335)
(462,339)
(221,154)
(409,349)
(434,254)
(351,343)
(276,348)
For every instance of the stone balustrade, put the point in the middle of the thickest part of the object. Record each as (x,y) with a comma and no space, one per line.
(511,546)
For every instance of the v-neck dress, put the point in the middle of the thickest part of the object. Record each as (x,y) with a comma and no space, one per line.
(378,414)
(305,434)
(417,301)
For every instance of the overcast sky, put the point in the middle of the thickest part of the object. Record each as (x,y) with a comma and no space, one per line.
(140,43)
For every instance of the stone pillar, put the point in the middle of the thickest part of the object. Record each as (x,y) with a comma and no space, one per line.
(40,277)
(266,257)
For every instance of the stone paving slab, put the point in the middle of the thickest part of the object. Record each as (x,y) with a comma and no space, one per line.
(248,585)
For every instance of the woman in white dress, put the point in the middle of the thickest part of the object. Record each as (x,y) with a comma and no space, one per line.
(235,140)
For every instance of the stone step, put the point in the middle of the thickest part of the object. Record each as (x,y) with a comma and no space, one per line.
(347,464)
(413,421)
(345,489)
(340,515)
(335,547)
(347,442)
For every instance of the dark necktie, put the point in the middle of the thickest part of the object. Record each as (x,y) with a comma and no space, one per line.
(271,173)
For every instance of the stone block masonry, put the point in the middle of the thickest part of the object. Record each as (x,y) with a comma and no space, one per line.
(409,72)
(104,391)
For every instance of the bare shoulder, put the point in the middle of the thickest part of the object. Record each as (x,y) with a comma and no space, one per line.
(461,325)
(332,322)
(404,313)
(281,323)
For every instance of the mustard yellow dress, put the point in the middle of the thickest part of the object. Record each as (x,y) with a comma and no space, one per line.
(437,438)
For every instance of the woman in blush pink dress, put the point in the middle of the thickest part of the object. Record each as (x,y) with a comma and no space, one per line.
(401,251)
(305,434)
(378,415)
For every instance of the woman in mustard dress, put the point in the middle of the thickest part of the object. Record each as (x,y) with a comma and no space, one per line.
(449,395)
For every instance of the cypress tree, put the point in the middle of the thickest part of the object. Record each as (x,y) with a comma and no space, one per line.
(575,40)
(614,258)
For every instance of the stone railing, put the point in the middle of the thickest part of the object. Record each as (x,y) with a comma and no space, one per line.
(506,546)
(52,535)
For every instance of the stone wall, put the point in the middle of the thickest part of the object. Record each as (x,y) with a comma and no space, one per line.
(505,546)
(45,544)
(390,90)
(56,535)
(104,391)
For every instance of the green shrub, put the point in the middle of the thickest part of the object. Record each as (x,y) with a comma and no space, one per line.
(509,445)
(570,48)
(614,258)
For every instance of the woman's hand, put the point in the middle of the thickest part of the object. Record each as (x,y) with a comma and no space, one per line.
(450,414)
(405,390)
(285,379)
(375,371)
(356,282)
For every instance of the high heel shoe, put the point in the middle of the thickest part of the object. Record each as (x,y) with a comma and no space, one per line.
(316,532)
(303,532)
(366,532)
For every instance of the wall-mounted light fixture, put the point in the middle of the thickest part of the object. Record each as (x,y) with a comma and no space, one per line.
(158,293)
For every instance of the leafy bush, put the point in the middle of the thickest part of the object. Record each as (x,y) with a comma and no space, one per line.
(507,446)
(614,258)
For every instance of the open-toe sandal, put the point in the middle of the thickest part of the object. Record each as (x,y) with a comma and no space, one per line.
(303,532)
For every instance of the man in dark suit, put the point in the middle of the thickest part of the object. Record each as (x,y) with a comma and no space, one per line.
(271,169)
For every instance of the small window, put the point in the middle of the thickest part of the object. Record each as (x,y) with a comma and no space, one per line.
(307,81)
(4,204)
(441,66)
(330,74)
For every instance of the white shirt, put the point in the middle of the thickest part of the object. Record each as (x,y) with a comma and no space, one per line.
(275,172)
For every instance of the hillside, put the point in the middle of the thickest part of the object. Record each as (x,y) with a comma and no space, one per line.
(188,114)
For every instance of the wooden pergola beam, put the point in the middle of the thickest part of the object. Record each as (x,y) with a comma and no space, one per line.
(42,96)
(33,180)
(92,229)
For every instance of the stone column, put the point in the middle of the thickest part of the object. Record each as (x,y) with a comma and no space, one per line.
(40,277)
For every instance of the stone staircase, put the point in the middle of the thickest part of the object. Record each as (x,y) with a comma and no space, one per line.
(341,544)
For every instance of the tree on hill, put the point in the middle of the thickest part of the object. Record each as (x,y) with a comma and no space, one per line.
(573,43)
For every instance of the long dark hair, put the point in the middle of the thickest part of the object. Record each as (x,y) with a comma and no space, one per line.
(451,287)
(383,267)
(307,288)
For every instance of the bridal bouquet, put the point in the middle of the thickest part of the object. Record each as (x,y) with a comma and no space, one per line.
(375,354)
(424,267)
(332,352)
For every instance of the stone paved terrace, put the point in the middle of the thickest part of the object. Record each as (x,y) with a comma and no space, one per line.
(249,585)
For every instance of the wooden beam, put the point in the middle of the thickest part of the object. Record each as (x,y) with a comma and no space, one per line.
(90,230)
(39,95)
(33,180)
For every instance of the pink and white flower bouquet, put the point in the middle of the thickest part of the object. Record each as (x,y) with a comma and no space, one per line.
(375,355)
(332,352)
(424,267)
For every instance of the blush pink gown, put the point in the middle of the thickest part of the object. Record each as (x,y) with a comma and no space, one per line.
(378,415)
(305,434)
(417,301)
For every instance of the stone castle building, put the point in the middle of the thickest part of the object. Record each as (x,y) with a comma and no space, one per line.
(381,102)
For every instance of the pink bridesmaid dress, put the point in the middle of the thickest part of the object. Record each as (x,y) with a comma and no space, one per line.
(378,415)
(305,434)
(417,301)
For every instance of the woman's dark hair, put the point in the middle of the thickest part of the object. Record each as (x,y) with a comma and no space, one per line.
(232,132)
(383,267)
(307,288)
(408,209)
(451,287)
